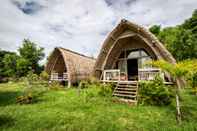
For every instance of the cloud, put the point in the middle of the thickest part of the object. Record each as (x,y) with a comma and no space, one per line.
(28,7)
(81,25)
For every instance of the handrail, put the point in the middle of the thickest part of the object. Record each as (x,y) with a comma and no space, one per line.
(55,76)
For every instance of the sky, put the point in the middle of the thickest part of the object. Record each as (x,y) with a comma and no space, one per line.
(81,25)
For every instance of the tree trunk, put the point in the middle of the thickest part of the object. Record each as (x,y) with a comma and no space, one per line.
(178,109)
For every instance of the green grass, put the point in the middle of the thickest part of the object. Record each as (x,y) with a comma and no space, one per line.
(66,110)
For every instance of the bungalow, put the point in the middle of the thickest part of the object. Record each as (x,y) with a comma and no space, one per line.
(68,66)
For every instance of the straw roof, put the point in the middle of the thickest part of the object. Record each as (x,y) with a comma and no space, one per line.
(128,30)
(78,66)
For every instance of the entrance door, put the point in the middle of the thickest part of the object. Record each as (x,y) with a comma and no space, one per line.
(132,69)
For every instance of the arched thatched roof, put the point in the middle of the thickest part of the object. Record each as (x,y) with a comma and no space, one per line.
(77,66)
(126,29)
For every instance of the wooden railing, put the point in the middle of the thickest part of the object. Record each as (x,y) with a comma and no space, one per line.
(111,75)
(149,74)
(143,74)
(59,77)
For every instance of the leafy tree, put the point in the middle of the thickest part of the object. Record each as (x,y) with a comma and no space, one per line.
(23,66)
(9,62)
(155,29)
(180,40)
(191,23)
(32,54)
(185,45)
(177,71)
(2,55)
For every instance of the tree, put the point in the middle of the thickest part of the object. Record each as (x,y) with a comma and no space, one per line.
(185,45)
(177,71)
(2,66)
(191,23)
(32,54)
(23,66)
(155,29)
(180,40)
(9,62)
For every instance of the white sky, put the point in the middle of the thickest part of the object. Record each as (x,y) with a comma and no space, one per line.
(81,25)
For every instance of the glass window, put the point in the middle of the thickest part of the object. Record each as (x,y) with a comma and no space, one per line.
(122,65)
(142,62)
(143,53)
(134,54)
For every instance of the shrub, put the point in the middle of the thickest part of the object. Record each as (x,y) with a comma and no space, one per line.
(34,89)
(25,99)
(193,83)
(155,93)
(106,89)
(44,76)
(55,85)
(84,84)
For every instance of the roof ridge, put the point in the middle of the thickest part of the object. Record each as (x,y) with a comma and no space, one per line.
(76,53)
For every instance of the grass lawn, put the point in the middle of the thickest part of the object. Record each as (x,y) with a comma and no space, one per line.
(66,110)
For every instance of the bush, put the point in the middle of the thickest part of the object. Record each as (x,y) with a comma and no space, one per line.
(24,99)
(155,93)
(44,76)
(84,84)
(34,88)
(193,83)
(55,85)
(106,89)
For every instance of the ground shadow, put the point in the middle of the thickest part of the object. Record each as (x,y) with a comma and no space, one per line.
(6,121)
(7,98)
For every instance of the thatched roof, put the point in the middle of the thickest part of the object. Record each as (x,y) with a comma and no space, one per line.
(126,29)
(77,65)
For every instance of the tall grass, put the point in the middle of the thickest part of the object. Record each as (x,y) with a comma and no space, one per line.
(66,110)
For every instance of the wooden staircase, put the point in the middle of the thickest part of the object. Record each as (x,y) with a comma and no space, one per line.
(127,91)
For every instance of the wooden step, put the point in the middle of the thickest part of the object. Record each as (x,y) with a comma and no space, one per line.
(127,89)
(128,100)
(125,95)
(125,92)
(127,86)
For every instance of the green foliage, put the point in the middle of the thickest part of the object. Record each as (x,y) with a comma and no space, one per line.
(178,70)
(9,62)
(155,93)
(3,68)
(44,75)
(103,89)
(106,90)
(84,84)
(24,99)
(12,65)
(180,40)
(22,67)
(155,29)
(191,23)
(55,85)
(64,110)
(32,54)
(34,88)
(193,82)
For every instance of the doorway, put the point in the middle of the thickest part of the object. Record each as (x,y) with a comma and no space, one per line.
(132,69)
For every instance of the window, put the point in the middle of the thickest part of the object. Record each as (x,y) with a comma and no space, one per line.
(136,54)
(122,66)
